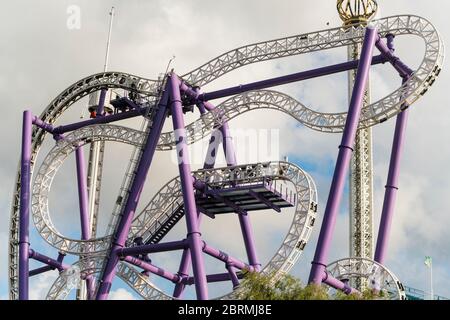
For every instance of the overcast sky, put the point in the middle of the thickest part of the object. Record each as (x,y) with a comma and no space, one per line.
(40,56)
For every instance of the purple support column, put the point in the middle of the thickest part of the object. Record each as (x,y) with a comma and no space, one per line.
(83,202)
(211,154)
(244,220)
(152,248)
(153,269)
(47,260)
(194,235)
(222,256)
(300,76)
(101,102)
(338,284)
(390,194)
(185,263)
(233,276)
(24,217)
(82,194)
(343,160)
(99,120)
(123,229)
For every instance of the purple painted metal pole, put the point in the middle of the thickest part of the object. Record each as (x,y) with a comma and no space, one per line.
(101,103)
(83,201)
(338,284)
(100,120)
(153,248)
(216,277)
(194,235)
(153,269)
(82,194)
(244,219)
(40,270)
(300,76)
(388,54)
(222,256)
(391,187)
(123,229)
(211,153)
(343,160)
(233,276)
(47,260)
(43,125)
(185,264)
(183,273)
(24,217)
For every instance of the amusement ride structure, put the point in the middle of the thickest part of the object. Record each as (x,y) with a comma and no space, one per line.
(125,250)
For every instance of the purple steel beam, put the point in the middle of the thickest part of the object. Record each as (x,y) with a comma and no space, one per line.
(244,219)
(261,198)
(222,256)
(343,160)
(391,187)
(99,120)
(82,194)
(83,201)
(42,124)
(24,217)
(216,277)
(228,145)
(194,235)
(338,284)
(211,154)
(300,76)
(153,248)
(388,53)
(233,276)
(153,269)
(123,229)
(101,103)
(183,269)
(47,260)
(40,270)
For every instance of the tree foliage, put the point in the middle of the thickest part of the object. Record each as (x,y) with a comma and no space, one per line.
(260,286)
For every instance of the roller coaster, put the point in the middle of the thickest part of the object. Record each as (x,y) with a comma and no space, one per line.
(125,250)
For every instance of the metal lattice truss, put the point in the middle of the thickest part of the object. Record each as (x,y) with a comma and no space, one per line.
(92,266)
(375,113)
(47,171)
(361,183)
(377,276)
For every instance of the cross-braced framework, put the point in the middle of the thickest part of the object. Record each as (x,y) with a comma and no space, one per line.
(125,250)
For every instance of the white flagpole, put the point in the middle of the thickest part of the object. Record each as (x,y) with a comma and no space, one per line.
(111,13)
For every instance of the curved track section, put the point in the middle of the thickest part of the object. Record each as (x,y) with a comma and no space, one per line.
(318,41)
(47,171)
(379,277)
(61,288)
(417,86)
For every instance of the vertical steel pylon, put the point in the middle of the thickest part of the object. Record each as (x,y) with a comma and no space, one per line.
(359,12)
(361,183)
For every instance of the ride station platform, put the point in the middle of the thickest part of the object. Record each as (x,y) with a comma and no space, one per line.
(245,197)
(229,198)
